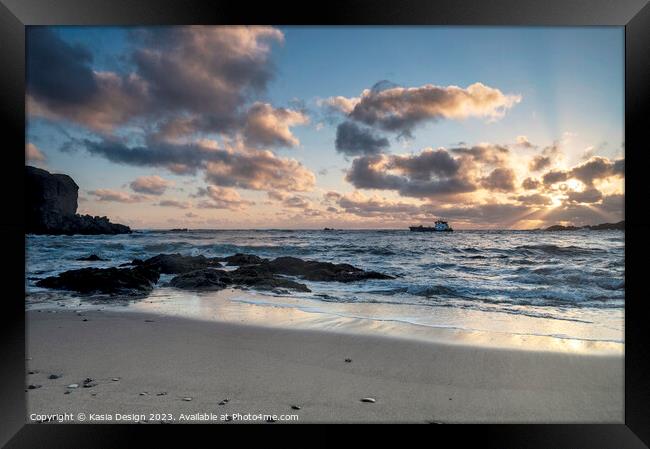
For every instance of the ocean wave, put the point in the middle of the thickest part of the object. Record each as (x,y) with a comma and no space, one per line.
(570,250)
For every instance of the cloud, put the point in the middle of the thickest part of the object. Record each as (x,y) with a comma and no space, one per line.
(117,196)
(502,179)
(297,202)
(400,109)
(189,78)
(275,195)
(554,176)
(354,140)
(223,198)
(340,104)
(260,170)
(228,167)
(372,172)
(597,167)
(531,184)
(435,172)
(269,126)
(154,185)
(33,154)
(535,199)
(547,157)
(57,72)
(360,205)
(587,196)
(523,142)
(493,214)
(610,209)
(174,203)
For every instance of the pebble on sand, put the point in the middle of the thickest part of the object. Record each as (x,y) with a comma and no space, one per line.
(295,407)
(348,360)
(73,386)
(115,379)
(187,399)
(33,387)
(370,400)
(53,376)
(162,393)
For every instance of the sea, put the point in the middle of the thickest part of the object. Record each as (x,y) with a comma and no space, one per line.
(497,286)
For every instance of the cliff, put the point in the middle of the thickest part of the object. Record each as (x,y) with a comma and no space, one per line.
(51,207)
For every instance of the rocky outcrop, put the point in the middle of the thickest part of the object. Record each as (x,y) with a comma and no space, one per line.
(176,263)
(620,226)
(212,279)
(92,258)
(313,270)
(310,270)
(112,281)
(243,259)
(51,207)
(203,273)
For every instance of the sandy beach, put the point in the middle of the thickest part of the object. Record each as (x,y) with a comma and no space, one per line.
(141,364)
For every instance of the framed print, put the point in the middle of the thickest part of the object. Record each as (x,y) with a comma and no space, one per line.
(362,213)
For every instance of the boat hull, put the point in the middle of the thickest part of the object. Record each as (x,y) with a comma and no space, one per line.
(428,229)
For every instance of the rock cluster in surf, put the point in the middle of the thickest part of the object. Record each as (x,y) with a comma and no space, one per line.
(205,273)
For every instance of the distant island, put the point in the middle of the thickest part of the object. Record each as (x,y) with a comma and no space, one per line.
(599,227)
(51,207)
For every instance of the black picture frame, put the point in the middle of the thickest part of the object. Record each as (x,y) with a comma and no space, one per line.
(634,15)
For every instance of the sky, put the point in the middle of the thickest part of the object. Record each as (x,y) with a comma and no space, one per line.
(344,127)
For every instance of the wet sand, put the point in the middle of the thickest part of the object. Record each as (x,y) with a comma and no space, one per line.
(142,364)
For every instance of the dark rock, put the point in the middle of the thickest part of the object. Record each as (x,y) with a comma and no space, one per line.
(53,376)
(176,263)
(249,276)
(91,258)
(321,271)
(348,360)
(253,272)
(260,277)
(206,279)
(114,281)
(33,387)
(369,400)
(295,407)
(243,259)
(51,207)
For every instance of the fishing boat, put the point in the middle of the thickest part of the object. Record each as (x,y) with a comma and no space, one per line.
(439,226)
